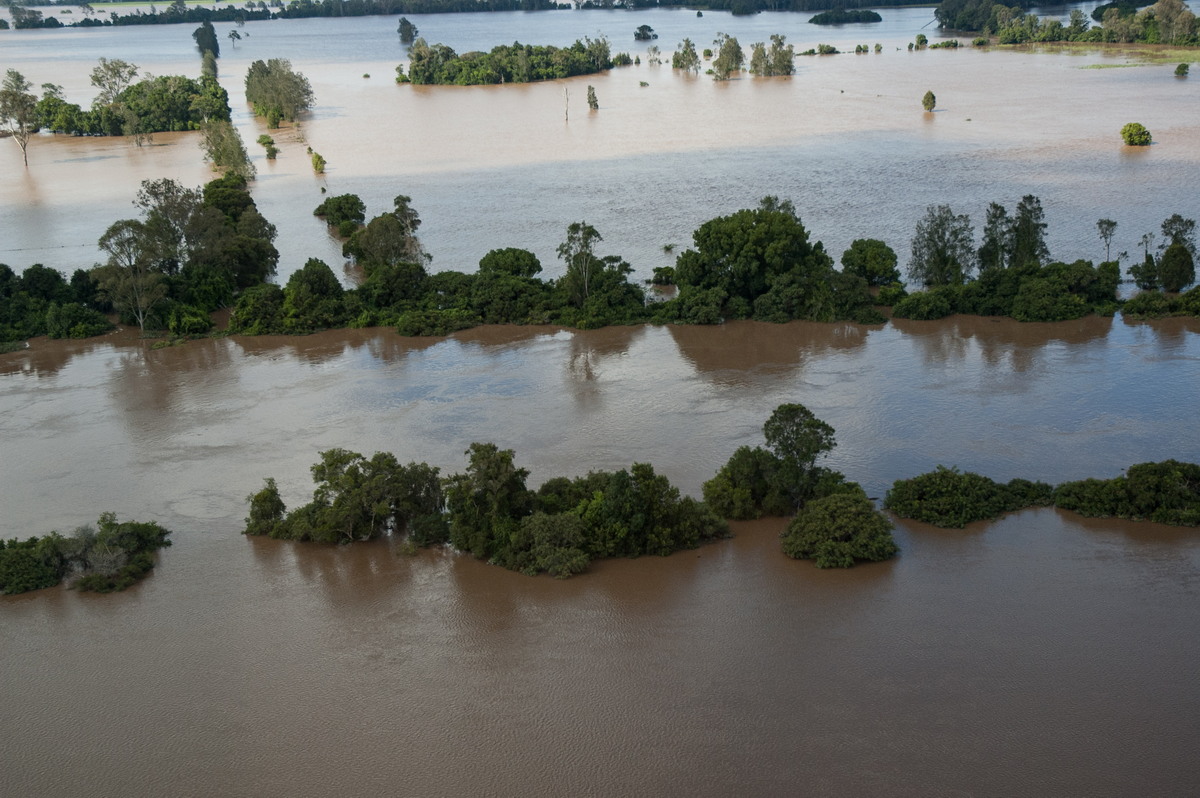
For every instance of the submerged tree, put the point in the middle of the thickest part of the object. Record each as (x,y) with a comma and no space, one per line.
(128,279)
(277,91)
(686,58)
(1107,229)
(18,110)
(224,149)
(729,57)
(206,39)
(578,252)
(929,101)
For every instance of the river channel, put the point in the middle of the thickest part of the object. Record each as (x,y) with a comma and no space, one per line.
(1042,654)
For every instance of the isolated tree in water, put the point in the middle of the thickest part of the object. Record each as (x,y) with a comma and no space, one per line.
(18,110)
(929,101)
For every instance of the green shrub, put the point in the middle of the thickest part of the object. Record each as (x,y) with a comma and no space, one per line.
(1135,134)
(838,530)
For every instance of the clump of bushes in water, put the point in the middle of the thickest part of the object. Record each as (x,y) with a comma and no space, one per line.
(1135,134)
(1166,492)
(835,523)
(489,512)
(947,497)
(345,213)
(112,556)
(842,16)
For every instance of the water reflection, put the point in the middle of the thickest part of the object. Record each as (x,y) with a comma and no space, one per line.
(728,353)
(1000,341)
(1170,332)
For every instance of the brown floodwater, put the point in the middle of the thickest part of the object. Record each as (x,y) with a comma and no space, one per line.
(1043,654)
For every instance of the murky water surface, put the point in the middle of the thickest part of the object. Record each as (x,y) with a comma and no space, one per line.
(1044,654)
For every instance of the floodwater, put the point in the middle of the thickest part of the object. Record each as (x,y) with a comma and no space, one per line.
(1043,654)
(845,138)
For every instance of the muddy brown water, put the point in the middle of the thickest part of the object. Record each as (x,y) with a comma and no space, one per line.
(1043,654)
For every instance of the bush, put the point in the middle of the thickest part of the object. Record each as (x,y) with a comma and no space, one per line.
(72,320)
(1181,71)
(837,531)
(1135,134)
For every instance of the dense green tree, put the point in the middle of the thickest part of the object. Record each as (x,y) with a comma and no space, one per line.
(593,103)
(872,260)
(644,33)
(18,110)
(516,63)
(797,437)
(277,91)
(1135,134)
(1029,233)
(1176,269)
(996,250)
(206,39)
(487,502)
(343,212)
(408,31)
(839,530)
(748,486)
(1178,230)
(942,248)
(553,544)
(1167,492)
(929,101)
(389,238)
(742,255)
(312,299)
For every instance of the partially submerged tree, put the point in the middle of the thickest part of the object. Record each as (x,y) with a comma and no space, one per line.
(943,251)
(18,110)
(277,91)
(128,279)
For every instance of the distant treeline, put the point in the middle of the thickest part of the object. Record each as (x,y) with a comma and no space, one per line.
(1166,492)
(1164,22)
(178,12)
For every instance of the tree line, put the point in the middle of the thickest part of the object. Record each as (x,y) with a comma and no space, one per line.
(1011,273)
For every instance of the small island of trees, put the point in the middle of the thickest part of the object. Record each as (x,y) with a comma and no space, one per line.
(110,556)
(438,64)
(845,16)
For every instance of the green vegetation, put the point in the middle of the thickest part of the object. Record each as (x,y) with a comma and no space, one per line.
(644,33)
(277,92)
(268,144)
(111,556)
(947,497)
(223,148)
(1135,134)
(929,101)
(42,302)
(515,63)
(729,58)
(488,511)
(18,111)
(839,530)
(835,523)
(1165,22)
(778,60)
(408,32)
(1181,71)
(872,260)
(124,106)
(344,213)
(1012,279)
(844,16)
(1166,492)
